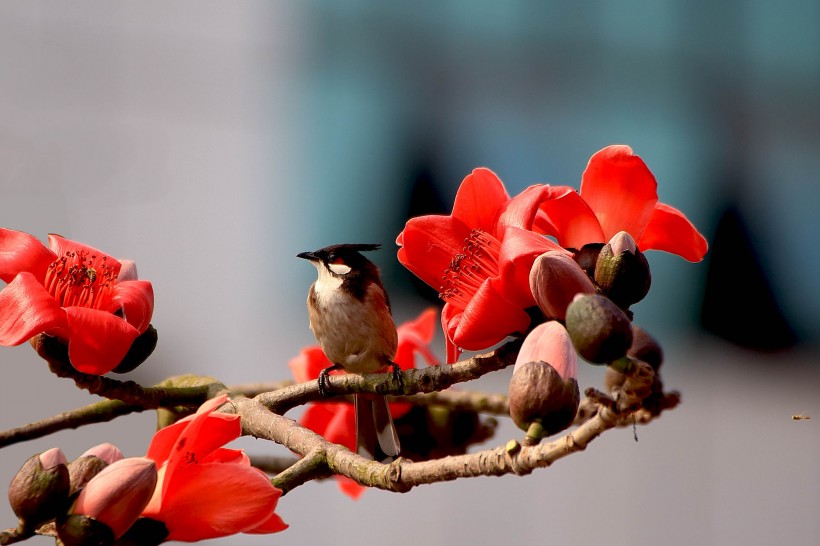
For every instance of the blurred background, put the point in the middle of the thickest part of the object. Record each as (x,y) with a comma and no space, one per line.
(213,141)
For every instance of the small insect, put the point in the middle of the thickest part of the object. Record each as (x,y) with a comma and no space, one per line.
(91,273)
(800,417)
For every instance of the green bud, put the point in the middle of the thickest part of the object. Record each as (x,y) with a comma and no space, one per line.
(599,329)
(39,490)
(622,271)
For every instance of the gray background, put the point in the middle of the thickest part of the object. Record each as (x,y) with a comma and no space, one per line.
(212,141)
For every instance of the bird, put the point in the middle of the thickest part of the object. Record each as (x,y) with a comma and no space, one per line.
(350,316)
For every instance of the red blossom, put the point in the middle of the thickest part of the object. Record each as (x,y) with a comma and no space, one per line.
(479,258)
(75,293)
(205,490)
(336,421)
(618,193)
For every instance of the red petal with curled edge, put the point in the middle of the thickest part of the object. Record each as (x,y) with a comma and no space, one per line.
(429,245)
(488,319)
(519,249)
(521,210)
(136,299)
(563,214)
(19,252)
(621,190)
(669,230)
(273,524)
(97,340)
(214,500)
(480,199)
(27,309)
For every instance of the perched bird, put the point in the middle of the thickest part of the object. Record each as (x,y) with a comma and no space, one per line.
(350,316)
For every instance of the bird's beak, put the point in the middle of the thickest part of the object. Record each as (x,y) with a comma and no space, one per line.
(307,256)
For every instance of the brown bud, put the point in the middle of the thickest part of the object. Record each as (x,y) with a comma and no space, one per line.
(39,490)
(645,347)
(599,329)
(90,463)
(538,393)
(622,271)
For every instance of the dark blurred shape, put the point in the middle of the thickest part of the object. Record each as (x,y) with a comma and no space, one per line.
(424,198)
(739,304)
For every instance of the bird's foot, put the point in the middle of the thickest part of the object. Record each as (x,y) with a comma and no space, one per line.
(323,380)
(398,375)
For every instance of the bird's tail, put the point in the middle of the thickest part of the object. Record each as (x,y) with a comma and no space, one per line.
(376,436)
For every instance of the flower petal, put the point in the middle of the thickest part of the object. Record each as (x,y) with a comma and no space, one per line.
(273,524)
(488,319)
(479,200)
(97,340)
(429,245)
(20,251)
(669,229)
(521,210)
(215,500)
(564,215)
(350,487)
(519,249)
(336,421)
(621,190)
(414,337)
(136,299)
(308,363)
(27,309)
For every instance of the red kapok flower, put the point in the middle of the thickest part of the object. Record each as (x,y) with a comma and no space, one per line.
(205,490)
(75,293)
(618,193)
(479,258)
(336,421)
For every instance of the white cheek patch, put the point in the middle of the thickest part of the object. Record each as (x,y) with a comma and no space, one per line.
(339,269)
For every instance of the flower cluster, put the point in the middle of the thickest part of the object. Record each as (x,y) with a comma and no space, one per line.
(187,488)
(504,264)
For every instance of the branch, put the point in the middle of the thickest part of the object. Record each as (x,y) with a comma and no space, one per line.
(99,412)
(194,393)
(414,381)
(322,456)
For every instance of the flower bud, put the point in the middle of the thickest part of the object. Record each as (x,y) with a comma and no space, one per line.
(555,278)
(599,329)
(645,347)
(90,463)
(79,530)
(544,388)
(39,490)
(622,271)
(117,495)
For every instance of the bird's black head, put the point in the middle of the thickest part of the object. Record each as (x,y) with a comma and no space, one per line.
(345,265)
(343,259)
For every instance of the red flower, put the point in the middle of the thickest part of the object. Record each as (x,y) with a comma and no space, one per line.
(479,259)
(336,421)
(618,193)
(73,292)
(205,490)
